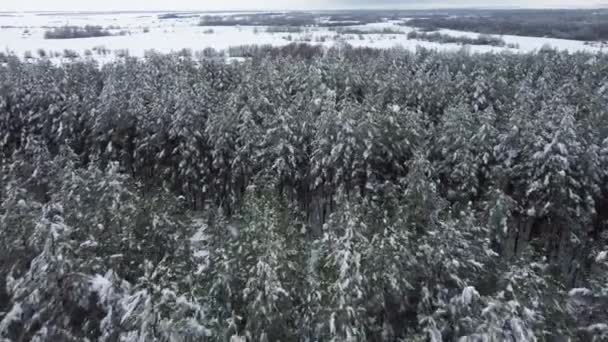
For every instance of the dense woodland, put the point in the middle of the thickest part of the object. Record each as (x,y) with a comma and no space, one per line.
(590,25)
(305,195)
(587,24)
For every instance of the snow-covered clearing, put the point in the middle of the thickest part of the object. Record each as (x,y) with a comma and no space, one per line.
(23,33)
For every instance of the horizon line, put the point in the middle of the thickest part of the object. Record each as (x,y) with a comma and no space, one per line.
(436,8)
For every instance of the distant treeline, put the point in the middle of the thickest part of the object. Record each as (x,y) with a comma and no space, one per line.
(566,24)
(577,25)
(299,51)
(285,29)
(352,30)
(294,19)
(73,32)
(177,16)
(446,38)
(260,19)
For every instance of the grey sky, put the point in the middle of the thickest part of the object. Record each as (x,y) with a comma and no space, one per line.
(96,5)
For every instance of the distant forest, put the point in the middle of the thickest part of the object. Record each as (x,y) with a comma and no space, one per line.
(588,25)
(75,32)
(446,39)
(305,194)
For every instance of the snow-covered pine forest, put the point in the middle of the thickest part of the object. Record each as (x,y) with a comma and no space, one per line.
(305,194)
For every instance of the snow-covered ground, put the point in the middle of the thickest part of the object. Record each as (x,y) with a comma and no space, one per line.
(21,33)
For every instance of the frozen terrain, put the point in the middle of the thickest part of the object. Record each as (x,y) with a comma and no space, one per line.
(23,34)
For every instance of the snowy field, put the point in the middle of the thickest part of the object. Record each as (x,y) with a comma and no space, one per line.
(23,34)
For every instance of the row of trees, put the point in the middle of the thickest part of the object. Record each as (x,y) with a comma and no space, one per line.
(74,32)
(446,39)
(305,195)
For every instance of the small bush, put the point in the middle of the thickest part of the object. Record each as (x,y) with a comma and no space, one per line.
(101,50)
(70,54)
(209,53)
(186,53)
(122,53)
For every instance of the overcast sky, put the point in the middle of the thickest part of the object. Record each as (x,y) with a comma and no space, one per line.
(97,5)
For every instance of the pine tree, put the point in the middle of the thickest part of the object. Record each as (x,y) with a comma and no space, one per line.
(264,294)
(343,241)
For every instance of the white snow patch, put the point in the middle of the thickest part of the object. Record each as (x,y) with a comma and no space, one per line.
(601,257)
(598,328)
(12,316)
(145,31)
(469,294)
(133,303)
(102,286)
(580,292)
